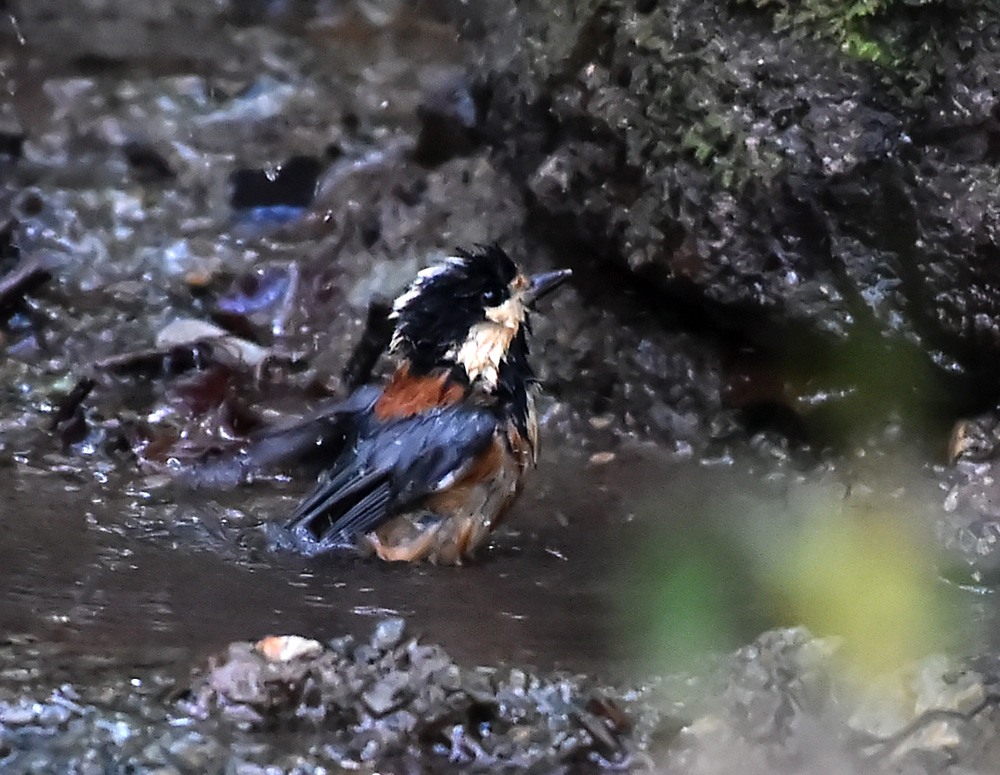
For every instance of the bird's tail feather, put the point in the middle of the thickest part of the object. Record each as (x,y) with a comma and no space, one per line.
(338,509)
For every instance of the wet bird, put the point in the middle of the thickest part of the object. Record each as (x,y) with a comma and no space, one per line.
(435,457)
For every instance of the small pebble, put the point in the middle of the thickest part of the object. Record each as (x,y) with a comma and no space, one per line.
(600,422)
(285,648)
(385,695)
(388,633)
(16,715)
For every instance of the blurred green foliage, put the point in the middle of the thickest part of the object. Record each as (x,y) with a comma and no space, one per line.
(868,579)
(723,567)
(690,596)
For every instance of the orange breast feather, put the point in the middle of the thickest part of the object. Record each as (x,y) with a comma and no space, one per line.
(406,394)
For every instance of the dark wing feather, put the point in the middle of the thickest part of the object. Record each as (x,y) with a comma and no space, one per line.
(338,504)
(391,467)
(315,438)
(323,429)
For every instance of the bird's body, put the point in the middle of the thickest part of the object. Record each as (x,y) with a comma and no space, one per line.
(433,460)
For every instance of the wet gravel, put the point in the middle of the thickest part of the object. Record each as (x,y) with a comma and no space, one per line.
(392,697)
(288,704)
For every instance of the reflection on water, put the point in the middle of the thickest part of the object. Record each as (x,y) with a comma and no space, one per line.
(598,562)
(109,566)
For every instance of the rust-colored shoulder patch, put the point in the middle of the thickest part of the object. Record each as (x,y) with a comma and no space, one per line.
(406,395)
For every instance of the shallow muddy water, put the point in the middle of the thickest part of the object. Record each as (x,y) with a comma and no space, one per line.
(106,565)
(132,563)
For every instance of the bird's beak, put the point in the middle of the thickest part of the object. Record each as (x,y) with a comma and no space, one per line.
(542,284)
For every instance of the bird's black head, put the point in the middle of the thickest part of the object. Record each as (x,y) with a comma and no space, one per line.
(469,313)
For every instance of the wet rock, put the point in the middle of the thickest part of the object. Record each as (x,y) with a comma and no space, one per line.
(290,184)
(780,704)
(388,633)
(388,699)
(8,244)
(189,332)
(148,165)
(22,713)
(975,439)
(385,695)
(11,142)
(69,420)
(115,38)
(24,277)
(288,647)
(784,702)
(448,117)
(775,170)
(969,526)
(261,299)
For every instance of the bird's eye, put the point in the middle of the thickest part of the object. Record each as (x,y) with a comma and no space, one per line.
(492,297)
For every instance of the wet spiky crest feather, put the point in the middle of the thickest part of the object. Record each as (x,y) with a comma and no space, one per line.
(446,307)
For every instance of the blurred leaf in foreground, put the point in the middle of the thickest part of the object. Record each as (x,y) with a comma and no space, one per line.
(870,579)
(712,573)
